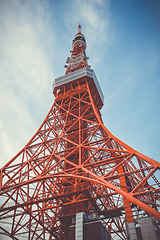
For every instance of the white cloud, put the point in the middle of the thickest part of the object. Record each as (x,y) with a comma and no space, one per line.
(26,74)
(95,20)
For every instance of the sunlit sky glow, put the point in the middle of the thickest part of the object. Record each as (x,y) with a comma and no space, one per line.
(123,45)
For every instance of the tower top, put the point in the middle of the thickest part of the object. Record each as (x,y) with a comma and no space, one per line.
(78,57)
(79,39)
(78,72)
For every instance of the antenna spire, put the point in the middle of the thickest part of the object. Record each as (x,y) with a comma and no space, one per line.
(78,57)
(79,28)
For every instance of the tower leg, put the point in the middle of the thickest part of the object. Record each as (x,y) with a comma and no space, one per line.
(127,205)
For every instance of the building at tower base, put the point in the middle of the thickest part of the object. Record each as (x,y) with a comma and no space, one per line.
(147,229)
(88,227)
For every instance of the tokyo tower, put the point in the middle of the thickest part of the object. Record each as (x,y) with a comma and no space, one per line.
(74,164)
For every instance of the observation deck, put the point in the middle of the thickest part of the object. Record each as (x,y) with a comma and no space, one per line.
(81,75)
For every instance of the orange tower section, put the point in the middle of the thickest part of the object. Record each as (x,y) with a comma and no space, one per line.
(74,164)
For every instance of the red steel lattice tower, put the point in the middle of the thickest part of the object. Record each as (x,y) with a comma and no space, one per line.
(74,164)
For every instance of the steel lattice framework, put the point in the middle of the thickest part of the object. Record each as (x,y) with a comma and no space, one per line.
(72,164)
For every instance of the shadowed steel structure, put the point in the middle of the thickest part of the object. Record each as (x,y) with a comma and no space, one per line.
(74,164)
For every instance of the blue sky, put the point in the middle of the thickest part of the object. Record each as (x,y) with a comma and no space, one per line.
(123,45)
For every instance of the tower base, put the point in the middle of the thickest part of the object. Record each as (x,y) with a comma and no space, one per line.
(92,228)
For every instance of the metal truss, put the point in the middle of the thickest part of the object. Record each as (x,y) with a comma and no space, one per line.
(73,163)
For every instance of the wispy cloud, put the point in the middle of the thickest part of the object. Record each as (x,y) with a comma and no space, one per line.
(25,71)
(94,17)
